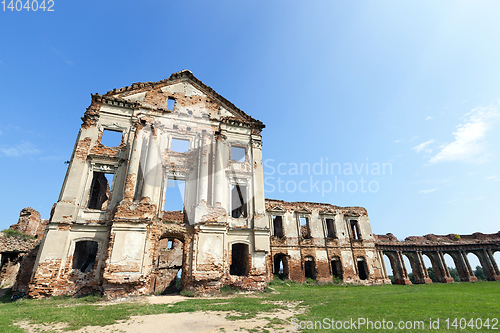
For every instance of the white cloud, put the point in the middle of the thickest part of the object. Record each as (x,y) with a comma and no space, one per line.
(423,147)
(469,144)
(397,141)
(429,118)
(495,178)
(427,191)
(24,148)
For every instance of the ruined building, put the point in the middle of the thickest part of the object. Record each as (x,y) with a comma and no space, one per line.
(166,178)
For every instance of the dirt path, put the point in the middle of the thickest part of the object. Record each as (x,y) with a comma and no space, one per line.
(197,322)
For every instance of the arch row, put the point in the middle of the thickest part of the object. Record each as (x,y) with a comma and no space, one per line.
(440,269)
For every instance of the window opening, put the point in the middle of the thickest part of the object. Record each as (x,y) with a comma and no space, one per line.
(355,234)
(281,266)
(111,138)
(305,230)
(171,103)
(238,201)
(239,260)
(309,268)
(330,228)
(100,190)
(337,267)
(170,244)
(278,226)
(238,153)
(180,145)
(85,255)
(174,195)
(362,269)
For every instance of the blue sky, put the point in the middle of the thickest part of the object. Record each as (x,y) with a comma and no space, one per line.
(413,85)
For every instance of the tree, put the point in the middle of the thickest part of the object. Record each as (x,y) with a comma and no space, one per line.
(431,273)
(479,273)
(454,274)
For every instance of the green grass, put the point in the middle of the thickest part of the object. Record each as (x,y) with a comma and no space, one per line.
(390,302)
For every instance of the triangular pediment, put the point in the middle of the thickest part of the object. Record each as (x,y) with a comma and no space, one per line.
(276,209)
(192,96)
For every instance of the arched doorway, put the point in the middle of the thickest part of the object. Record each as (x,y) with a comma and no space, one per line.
(168,264)
(281,266)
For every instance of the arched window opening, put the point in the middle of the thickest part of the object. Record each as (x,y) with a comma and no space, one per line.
(239,260)
(85,255)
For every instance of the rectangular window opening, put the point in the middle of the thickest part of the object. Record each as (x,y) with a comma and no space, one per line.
(174,195)
(355,234)
(171,104)
(111,138)
(180,145)
(330,228)
(305,230)
(170,244)
(100,190)
(238,153)
(85,255)
(239,260)
(238,201)
(278,226)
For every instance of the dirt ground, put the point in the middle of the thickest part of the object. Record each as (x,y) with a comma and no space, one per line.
(208,321)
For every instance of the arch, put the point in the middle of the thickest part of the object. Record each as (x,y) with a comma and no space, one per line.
(452,264)
(310,267)
(439,272)
(476,266)
(363,272)
(337,270)
(388,267)
(240,263)
(281,266)
(488,265)
(409,267)
(496,256)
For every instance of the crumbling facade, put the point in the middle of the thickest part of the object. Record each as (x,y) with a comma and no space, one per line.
(321,241)
(18,252)
(166,180)
(108,229)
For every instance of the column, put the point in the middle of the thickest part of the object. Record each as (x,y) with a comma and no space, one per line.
(133,165)
(203,169)
(220,187)
(150,169)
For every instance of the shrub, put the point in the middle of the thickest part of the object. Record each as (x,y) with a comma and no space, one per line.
(16,234)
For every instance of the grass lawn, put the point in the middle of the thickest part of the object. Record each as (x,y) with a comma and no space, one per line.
(376,303)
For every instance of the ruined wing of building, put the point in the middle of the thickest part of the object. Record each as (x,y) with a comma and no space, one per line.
(166,180)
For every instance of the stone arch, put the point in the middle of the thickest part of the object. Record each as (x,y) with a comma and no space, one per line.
(310,267)
(398,267)
(408,266)
(388,266)
(280,267)
(418,267)
(496,256)
(439,267)
(488,264)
